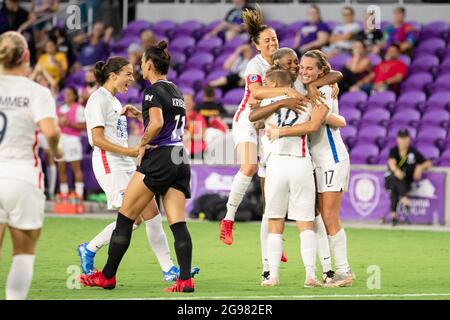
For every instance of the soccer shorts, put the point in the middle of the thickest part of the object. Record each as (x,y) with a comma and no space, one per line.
(21,204)
(167,167)
(290,188)
(73,150)
(114,185)
(244,131)
(333,177)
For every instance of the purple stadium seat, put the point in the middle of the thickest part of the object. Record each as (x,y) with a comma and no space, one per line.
(199,95)
(417,26)
(406,59)
(295,26)
(363,153)
(394,128)
(200,60)
(436,117)
(76,78)
(209,45)
(172,75)
(434,29)
(424,63)
(384,99)
(190,77)
(431,135)
(287,42)
(439,100)
(220,60)
(234,43)
(331,24)
(348,134)
(406,117)
(417,81)
(371,133)
(163,26)
(351,115)
(186,90)
(374,59)
(209,27)
(411,100)
(446,155)
(137,26)
(90,182)
(353,99)
(132,95)
(125,42)
(178,59)
(182,44)
(430,46)
(233,97)
(444,67)
(275,24)
(216,74)
(384,155)
(338,61)
(187,28)
(442,83)
(429,151)
(384,24)
(375,116)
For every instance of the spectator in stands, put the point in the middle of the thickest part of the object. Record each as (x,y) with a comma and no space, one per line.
(356,68)
(134,56)
(209,107)
(72,123)
(195,128)
(53,61)
(314,34)
(63,44)
(387,75)
(370,35)
(341,39)
(94,47)
(232,25)
(148,39)
(39,9)
(400,32)
(90,86)
(41,76)
(405,165)
(236,64)
(13,17)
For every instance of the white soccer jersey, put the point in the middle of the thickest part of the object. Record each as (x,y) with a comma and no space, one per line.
(23,103)
(254,73)
(103,110)
(300,87)
(327,146)
(294,146)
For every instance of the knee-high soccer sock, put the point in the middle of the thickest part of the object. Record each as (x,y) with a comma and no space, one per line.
(19,277)
(238,188)
(274,251)
(263,234)
(79,189)
(183,248)
(338,246)
(51,176)
(102,239)
(308,248)
(120,241)
(64,188)
(158,242)
(323,246)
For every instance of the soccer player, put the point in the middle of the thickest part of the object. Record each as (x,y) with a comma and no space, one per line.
(331,161)
(25,107)
(289,185)
(113,164)
(163,169)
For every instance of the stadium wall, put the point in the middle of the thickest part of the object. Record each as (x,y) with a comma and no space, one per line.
(284,12)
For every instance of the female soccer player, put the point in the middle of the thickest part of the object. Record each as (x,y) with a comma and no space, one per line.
(113,164)
(25,107)
(163,169)
(331,161)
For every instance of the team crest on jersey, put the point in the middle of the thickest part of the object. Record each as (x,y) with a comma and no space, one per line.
(253,78)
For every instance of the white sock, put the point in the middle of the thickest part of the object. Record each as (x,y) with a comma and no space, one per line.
(158,242)
(323,246)
(102,239)
(263,234)
(51,178)
(64,188)
(20,277)
(338,246)
(79,189)
(274,250)
(308,249)
(238,188)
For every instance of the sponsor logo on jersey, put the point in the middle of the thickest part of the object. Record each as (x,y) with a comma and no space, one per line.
(364,193)
(148,97)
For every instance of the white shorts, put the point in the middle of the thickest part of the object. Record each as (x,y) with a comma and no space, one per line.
(244,131)
(289,187)
(21,204)
(114,185)
(333,177)
(73,150)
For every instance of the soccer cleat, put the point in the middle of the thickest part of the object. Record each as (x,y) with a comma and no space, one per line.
(340,280)
(86,258)
(284,257)
(270,282)
(174,273)
(97,279)
(226,231)
(182,286)
(265,275)
(312,283)
(327,276)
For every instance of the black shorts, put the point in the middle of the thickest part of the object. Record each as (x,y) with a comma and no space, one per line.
(167,167)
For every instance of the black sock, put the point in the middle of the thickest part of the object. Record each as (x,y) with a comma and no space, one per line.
(183,248)
(120,241)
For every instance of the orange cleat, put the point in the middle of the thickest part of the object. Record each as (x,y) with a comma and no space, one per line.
(182,286)
(97,279)
(226,231)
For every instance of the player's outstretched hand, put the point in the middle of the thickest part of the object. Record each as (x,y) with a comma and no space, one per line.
(272,132)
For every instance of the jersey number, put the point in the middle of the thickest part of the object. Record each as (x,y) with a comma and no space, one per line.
(3,123)
(178,132)
(329,177)
(284,122)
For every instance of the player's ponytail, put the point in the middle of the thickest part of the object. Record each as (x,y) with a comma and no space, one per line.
(253,20)
(102,70)
(13,50)
(159,56)
(322,60)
